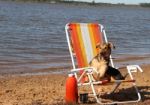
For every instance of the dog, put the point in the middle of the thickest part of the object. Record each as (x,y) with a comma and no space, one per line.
(101,64)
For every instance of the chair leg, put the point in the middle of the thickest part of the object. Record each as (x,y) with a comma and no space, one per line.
(93,89)
(117,85)
(115,88)
(99,100)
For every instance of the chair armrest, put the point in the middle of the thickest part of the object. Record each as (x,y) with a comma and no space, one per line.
(133,68)
(86,70)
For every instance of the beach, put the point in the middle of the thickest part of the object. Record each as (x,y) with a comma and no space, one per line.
(50,89)
(34,56)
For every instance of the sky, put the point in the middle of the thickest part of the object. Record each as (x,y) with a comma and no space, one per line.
(119,1)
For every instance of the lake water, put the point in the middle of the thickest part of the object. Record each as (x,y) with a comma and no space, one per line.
(32,35)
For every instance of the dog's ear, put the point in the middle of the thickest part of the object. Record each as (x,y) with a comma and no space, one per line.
(111,45)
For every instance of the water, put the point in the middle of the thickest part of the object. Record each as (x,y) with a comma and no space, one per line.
(32,35)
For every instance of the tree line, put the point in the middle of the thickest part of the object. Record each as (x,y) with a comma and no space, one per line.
(79,2)
(145,4)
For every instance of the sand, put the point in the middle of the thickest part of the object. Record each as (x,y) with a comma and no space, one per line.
(50,89)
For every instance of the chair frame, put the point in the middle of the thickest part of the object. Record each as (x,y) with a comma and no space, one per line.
(88,72)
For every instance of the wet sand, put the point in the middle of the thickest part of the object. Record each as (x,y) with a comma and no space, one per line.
(50,89)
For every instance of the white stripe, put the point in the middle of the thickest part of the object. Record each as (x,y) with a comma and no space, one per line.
(87,41)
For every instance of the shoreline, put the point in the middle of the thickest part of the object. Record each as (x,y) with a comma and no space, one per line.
(120,60)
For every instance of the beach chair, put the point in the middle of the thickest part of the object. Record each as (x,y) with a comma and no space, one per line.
(82,39)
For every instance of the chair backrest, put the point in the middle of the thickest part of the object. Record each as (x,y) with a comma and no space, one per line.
(83,38)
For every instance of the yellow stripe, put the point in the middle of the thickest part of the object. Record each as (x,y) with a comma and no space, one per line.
(82,45)
(92,39)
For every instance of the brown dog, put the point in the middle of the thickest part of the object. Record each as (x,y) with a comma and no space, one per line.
(101,61)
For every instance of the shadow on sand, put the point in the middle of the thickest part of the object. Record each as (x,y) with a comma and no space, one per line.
(129,94)
(126,94)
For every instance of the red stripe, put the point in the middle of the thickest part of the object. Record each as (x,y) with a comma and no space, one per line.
(76,44)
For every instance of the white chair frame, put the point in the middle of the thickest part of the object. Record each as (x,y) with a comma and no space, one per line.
(88,72)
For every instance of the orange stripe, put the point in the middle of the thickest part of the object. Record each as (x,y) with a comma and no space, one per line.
(92,39)
(97,34)
(73,33)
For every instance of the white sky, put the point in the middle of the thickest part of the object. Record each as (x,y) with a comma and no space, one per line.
(119,1)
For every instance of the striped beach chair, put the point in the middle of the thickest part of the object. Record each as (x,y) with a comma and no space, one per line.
(82,39)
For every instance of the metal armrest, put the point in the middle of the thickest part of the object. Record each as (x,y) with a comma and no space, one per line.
(133,68)
(86,70)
